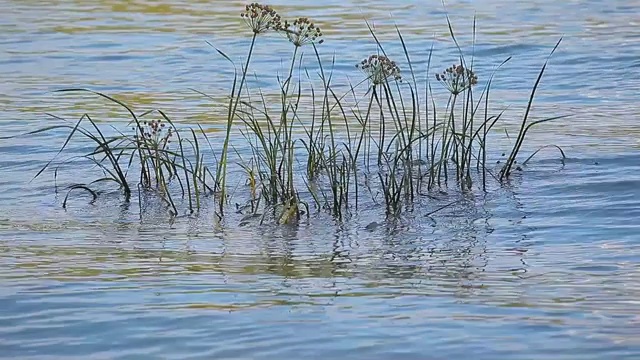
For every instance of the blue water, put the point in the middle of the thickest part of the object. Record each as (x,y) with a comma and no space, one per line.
(543,267)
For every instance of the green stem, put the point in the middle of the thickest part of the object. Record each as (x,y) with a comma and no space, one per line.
(288,145)
(233,106)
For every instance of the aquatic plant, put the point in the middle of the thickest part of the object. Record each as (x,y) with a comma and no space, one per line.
(302,31)
(150,150)
(525,125)
(398,147)
(260,19)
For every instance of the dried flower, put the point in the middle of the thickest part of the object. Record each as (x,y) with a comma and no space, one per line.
(154,134)
(379,68)
(261,18)
(302,31)
(457,79)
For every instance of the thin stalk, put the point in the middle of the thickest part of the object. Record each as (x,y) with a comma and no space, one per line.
(233,106)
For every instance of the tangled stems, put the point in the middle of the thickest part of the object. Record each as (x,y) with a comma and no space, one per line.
(456,79)
(378,69)
(163,153)
(300,32)
(260,19)
(156,141)
(289,129)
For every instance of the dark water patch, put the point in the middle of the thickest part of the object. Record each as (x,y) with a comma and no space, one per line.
(596,268)
(491,51)
(111,58)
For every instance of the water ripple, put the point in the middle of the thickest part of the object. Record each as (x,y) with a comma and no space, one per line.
(545,267)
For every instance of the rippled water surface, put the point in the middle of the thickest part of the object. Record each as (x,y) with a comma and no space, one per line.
(545,267)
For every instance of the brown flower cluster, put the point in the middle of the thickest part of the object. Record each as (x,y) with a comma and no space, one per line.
(379,68)
(154,131)
(261,18)
(302,31)
(457,78)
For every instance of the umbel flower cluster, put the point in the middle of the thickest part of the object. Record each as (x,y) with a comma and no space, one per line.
(379,68)
(262,18)
(154,131)
(302,31)
(457,79)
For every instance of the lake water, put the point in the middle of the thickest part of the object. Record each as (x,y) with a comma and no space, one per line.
(546,267)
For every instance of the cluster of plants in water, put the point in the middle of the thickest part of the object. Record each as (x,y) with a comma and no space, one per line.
(397,146)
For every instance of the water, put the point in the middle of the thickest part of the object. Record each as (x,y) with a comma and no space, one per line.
(544,268)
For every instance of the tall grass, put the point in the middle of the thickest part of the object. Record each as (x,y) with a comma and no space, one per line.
(396,142)
(150,156)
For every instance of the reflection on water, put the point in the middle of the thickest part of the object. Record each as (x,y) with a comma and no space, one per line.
(545,267)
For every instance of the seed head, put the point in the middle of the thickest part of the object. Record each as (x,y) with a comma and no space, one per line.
(302,31)
(457,78)
(154,134)
(379,68)
(261,18)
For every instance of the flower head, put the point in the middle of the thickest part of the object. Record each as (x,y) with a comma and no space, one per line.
(457,79)
(261,18)
(379,68)
(302,31)
(154,134)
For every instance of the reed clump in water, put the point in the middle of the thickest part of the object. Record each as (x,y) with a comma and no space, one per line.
(152,148)
(393,150)
(260,19)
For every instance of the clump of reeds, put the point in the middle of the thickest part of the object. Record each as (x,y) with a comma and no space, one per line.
(397,147)
(260,19)
(154,149)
